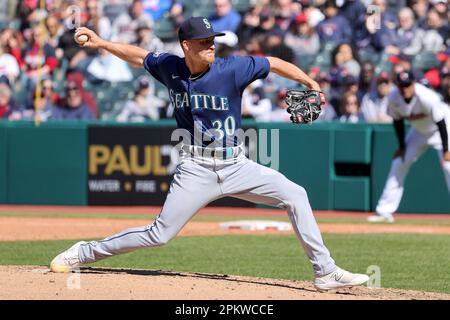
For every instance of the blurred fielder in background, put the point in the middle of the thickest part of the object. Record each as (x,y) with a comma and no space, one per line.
(430,119)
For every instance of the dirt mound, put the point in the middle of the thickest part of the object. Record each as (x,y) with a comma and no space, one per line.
(36,282)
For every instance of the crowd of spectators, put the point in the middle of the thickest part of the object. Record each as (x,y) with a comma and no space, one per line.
(353,48)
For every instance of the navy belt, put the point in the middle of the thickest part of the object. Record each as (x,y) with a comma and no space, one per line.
(216,153)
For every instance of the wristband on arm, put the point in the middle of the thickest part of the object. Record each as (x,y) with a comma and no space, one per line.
(399,126)
(444,134)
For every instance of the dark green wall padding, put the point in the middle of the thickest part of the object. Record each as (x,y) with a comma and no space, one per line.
(352,143)
(305,158)
(3,163)
(48,165)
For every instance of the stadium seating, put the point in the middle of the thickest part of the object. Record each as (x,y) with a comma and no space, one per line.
(202,8)
(59,74)
(112,11)
(304,61)
(425,61)
(383,64)
(369,56)
(106,100)
(20,95)
(240,5)
(161,91)
(164,29)
(137,72)
(323,59)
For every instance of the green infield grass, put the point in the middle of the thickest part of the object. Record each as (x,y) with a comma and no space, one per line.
(416,262)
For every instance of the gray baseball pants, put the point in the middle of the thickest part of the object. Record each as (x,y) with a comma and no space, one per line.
(200,180)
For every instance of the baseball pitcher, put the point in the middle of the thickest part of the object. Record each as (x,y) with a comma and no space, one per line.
(206,93)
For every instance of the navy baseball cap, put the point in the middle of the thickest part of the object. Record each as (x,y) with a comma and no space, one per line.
(197,28)
(404,78)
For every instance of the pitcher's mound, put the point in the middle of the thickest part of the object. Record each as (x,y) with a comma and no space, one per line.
(37,282)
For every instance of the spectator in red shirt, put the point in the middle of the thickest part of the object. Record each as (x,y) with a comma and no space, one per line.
(88,99)
(302,38)
(445,80)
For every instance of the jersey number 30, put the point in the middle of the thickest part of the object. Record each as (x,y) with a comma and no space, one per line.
(228,127)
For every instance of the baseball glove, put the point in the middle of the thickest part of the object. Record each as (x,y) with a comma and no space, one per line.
(303,106)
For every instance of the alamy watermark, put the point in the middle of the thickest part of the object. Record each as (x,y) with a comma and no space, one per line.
(260,145)
(374,273)
(73,19)
(373,13)
(73,281)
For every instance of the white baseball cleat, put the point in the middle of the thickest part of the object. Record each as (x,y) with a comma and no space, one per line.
(340,279)
(67,260)
(380,219)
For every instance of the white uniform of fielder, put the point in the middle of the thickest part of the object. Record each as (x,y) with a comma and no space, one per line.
(424,110)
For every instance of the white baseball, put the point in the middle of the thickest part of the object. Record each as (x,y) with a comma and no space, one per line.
(80,39)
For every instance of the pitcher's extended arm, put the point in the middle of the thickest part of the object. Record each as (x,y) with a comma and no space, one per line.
(131,54)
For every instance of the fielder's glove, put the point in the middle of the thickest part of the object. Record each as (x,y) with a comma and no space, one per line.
(304,106)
